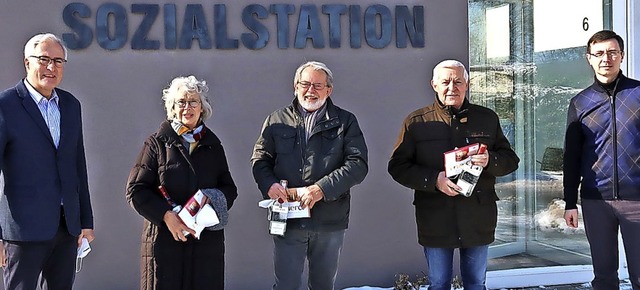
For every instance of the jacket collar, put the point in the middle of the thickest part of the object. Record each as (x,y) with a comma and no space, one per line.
(451,111)
(32,109)
(332,110)
(620,79)
(23,92)
(331,121)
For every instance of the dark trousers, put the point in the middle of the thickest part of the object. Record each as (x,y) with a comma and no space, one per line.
(321,249)
(602,218)
(53,259)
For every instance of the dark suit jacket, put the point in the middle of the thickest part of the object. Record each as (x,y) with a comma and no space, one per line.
(37,176)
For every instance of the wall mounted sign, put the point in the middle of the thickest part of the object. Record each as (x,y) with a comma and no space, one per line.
(207,27)
(563,24)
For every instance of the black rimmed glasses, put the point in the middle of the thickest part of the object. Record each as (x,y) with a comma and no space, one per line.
(610,54)
(317,86)
(183,103)
(45,60)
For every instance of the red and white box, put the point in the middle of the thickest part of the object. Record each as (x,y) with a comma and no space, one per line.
(455,159)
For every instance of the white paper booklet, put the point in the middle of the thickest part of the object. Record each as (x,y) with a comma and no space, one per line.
(454,160)
(197,216)
(295,210)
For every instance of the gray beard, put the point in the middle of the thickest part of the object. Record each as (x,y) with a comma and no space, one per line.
(312,106)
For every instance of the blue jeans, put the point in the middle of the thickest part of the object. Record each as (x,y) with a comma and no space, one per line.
(322,249)
(473,267)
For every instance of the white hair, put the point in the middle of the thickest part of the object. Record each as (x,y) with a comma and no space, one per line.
(31,45)
(450,63)
(315,65)
(181,86)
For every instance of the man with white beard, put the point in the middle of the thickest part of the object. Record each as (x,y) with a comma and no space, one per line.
(319,149)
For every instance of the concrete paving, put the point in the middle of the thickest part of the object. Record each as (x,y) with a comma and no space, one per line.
(624,285)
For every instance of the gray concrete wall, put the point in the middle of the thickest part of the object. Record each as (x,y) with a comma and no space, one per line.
(120,92)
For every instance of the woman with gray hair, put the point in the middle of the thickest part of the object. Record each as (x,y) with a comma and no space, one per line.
(182,157)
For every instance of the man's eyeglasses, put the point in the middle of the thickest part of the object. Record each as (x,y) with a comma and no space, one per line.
(610,54)
(317,86)
(45,60)
(183,104)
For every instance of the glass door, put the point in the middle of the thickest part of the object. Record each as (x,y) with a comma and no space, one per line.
(526,62)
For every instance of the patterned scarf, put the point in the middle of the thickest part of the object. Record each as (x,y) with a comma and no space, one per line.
(191,136)
(312,118)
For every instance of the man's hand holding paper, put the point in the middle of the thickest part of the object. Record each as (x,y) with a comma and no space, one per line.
(309,195)
(277,192)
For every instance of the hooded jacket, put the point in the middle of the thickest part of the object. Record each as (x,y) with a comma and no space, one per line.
(417,159)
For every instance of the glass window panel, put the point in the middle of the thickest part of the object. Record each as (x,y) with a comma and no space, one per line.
(573,23)
(529,85)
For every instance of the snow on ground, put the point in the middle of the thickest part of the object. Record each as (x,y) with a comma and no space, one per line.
(624,285)
(372,288)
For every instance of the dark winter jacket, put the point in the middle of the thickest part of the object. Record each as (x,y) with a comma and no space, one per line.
(182,175)
(602,143)
(417,159)
(168,264)
(334,158)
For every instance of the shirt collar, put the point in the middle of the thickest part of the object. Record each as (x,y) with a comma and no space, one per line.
(36,96)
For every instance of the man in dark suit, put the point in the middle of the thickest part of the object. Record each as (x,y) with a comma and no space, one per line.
(45,209)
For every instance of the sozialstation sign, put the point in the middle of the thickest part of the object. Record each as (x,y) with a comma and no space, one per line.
(208,26)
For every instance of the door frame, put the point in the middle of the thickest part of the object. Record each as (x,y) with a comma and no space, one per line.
(625,20)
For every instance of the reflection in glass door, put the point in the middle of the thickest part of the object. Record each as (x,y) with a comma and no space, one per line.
(527,76)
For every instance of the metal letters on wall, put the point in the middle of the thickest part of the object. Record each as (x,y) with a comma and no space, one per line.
(376,25)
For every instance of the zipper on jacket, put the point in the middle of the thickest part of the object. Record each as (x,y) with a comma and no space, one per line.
(614,135)
(302,141)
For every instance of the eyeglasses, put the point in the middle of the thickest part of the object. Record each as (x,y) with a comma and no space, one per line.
(317,86)
(45,60)
(183,104)
(610,54)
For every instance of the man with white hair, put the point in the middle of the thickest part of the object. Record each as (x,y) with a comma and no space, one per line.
(445,218)
(319,149)
(45,209)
